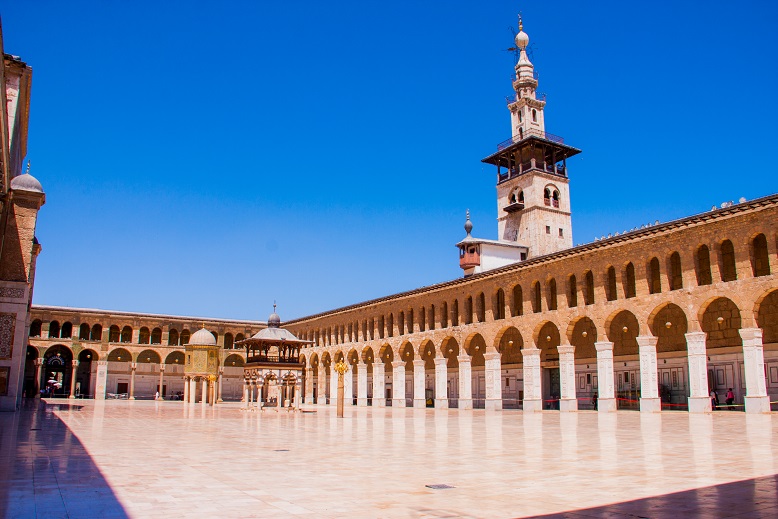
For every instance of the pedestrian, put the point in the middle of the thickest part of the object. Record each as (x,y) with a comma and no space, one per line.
(594,400)
(156,396)
(714,399)
(730,399)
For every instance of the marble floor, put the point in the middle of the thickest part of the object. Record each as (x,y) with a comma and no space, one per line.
(166,459)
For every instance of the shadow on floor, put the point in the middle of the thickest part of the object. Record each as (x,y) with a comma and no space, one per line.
(749,499)
(46,472)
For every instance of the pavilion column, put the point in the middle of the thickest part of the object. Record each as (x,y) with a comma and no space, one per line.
(133,367)
(321,391)
(757,400)
(567,400)
(245,393)
(379,383)
(348,387)
(333,384)
(533,399)
(73,379)
(204,390)
(465,382)
(186,389)
(192,390)
(361,384)
(649,386)
(38,366)
(309,385)
(606,401)
(699,401)
(441,383)
(161,381)
(419,400)
(398,383)
(492,368)
(221,379)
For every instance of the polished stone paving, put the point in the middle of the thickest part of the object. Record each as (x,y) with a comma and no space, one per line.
(167,459)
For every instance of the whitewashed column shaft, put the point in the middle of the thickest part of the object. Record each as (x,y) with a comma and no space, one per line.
(398,383)
(492,369)
(441,383)
(465,382)
(419,398)
(379,384)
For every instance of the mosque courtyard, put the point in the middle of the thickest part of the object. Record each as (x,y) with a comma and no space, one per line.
(119,458)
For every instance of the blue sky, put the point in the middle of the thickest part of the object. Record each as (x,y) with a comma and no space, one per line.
(208,158)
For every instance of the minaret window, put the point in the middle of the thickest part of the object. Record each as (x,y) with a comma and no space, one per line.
(534,115)
(521,116)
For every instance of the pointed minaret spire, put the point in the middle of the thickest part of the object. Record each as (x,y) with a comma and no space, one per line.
(468,224)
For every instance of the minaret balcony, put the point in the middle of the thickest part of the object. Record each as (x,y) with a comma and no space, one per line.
(530,132)
(514,207)
(469,261)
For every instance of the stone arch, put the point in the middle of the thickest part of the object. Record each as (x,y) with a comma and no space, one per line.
(88,355)
(499,305)
(449,348)
(368,357)
(148,357)
(582,334)
(119,355)
(517,301)
(177,357)
(184,337)
(760,257)
(669,325)
(54,330)
(173,337)
(547,338)
(509,343)
(428,352)
(628,282)
(720,319)
(386,354)
(126,335)
(66,332)
(674,271)
(766,312)
(326,359)
(237,361)
(475,346)
(623,328)
(83,332)
(551,296)
(96,333)
(339,356)
(702,265)
(58,366)
(35,328)
(144,336)
(610,284)
(353,357)
(407,352)
(727,265)
(156,336)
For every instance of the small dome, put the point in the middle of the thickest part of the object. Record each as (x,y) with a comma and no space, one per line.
(202,337)
(522,40)
(274,321)
(26,182)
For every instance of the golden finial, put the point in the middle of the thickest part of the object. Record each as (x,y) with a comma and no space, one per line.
(28,167)
(521,24)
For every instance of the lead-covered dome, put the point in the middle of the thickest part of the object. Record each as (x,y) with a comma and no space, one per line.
(26,182)
(202,337)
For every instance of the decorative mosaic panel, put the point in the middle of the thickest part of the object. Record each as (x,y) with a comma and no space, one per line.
(7,328)
(12,293)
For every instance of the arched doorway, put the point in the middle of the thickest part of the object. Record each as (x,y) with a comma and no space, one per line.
(582,338)
(57,371)
(623,332)
(509,345)
(548,340)
(84,372)
(669,325)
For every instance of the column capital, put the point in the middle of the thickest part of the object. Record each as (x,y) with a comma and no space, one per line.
(603,346)
(162,367)
(441,361)
(75,363)
(530,352)
(133,366)
(565,348)
(492,355)
(464,359)
(646,340)
(751,335)
(39,361)
(398,363)
(695,343)
(418,363)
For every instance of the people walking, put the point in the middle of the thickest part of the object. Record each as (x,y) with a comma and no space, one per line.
(714,399)
(730,399)
(594,400)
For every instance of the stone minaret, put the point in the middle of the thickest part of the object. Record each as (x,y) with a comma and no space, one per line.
(533,196)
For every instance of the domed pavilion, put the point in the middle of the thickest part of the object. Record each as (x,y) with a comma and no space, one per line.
(273,371)
(201,365)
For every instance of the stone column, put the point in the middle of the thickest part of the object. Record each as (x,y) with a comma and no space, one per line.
(606,401)
(221,383)
(333,384)
(309,386)
(321,390)
(133,367)
(533,399)
(348,387)
(757,400)
(379,392)
(492,368)
(567,400)
(649,383)
(102,379)
(73,378)
(361,384)
(192,390)
(419,400)
(186,389)
(204,390)
(465,382)
(441,383)
(245,393)
(398,383)
(38,366)
(699,401)
(161,381)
